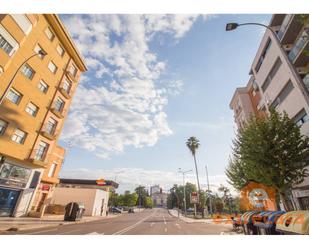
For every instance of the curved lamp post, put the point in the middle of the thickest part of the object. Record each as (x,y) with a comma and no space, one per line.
(301,85)
(184,188)
(41,52)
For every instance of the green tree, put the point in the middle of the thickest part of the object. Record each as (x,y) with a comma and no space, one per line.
(227,198)
(272,151)
(148,202)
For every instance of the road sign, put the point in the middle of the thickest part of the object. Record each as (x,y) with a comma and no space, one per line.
(194,198)
(100,182)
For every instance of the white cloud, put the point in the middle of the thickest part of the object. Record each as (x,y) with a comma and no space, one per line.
(130,178)
(126,108)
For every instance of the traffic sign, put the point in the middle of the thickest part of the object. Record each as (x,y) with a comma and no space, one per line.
(194,198)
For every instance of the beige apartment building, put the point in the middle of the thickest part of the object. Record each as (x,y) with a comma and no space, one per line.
(279,77)
(34,107)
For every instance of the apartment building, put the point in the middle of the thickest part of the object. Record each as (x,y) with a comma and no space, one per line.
(34,107)
(280,76)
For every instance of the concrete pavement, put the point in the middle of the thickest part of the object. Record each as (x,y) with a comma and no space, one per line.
(155,221)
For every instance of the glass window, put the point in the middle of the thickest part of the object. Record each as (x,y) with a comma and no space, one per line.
(263,55)
(41,151)
(52,67)
(7,47)
(37,49)
(299,45)
(32,109)
(14,172)
(43,86)
(50,35)
(59,104)
(283,94)
(271,74)
(19,136)
(3,126)
(51,126)
(28,71)
(301,117)
(73,70)
(60,50)
(51,172)
(14,96)
(66,86)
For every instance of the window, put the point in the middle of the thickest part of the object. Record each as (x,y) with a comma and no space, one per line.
(23,22)
(299,45)
(19,136)
(52,67)
(32,109)
(60,50)
(51,126)
(3,126)
(301,117)
(59,104)
(28,71)
(14,172)
(284,25)
(66,86)
(283,94)
(263,55)
(52,170)
(271,74)
(73,70)
(41,151)
(7,47)
(50,35)
(43,86)
(37,49)
(14,96)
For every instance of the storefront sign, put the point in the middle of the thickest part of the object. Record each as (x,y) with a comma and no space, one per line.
(100,182)
(194,198)
(45,187)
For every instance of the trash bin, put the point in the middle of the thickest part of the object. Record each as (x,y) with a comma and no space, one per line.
(247,222)
(266,222)
(74,211)
(295,222)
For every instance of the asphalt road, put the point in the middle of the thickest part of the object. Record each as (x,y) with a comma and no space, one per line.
(155,221)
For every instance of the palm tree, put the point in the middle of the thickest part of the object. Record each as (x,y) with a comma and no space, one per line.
(193,144)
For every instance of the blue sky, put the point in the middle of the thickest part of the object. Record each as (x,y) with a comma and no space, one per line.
(154,81)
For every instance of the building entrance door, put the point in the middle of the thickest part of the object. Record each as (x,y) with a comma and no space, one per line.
(8,200)
(304,203)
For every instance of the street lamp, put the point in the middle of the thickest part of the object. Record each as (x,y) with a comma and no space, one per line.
(210,203)
(301,85)
(40,53)
(184,188)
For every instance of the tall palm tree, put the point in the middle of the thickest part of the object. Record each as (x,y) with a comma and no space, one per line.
(193,144)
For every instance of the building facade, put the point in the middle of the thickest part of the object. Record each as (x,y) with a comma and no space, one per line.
(280,78)
(34,107)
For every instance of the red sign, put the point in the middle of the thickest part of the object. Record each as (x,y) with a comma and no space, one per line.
(100,182)
(45,187)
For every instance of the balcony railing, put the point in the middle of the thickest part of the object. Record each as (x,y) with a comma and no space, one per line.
(49,132)
(284,25)
(38,157)
(65,93)
(299,46)
(71,76)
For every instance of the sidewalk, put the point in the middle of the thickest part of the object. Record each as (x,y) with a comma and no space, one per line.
(27,223)
(226,222)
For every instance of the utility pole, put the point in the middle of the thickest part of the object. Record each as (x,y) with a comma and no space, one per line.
(184,189)
(210,204)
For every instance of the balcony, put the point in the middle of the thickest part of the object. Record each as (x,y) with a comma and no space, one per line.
(65,92)
(297,55)
(290,28)
(57,112)
(39,159)
(49,132)
(71,76)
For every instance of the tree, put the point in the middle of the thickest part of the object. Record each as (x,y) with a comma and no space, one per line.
(272,151)
(142,194)
(227,197)
(148,202)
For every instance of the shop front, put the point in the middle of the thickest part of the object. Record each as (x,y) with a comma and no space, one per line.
(17,186)
(301,196)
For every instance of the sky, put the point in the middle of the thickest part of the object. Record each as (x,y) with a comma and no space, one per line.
(152,82)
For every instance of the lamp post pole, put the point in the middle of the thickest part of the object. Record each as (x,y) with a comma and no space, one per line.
(184,189)
(41,52)
(210,202)
(301,85)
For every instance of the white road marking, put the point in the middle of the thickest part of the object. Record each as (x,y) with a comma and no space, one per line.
(165,230)
(178,225)
(152,224)
(164,220)
(133,226)
(50,230)
(95,233)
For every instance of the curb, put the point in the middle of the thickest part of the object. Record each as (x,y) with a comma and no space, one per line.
(17,229)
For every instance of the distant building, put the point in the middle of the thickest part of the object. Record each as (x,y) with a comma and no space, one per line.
(93,193)
(154,189)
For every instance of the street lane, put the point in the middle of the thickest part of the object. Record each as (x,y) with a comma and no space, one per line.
(155,221)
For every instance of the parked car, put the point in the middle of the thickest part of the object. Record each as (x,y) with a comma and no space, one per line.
(115,210)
